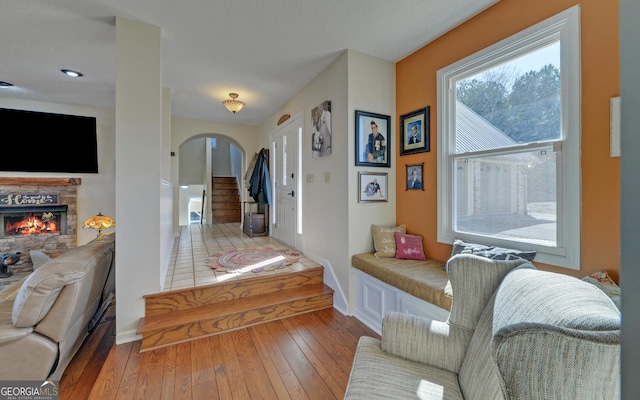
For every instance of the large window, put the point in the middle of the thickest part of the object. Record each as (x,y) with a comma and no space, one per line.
(509,141)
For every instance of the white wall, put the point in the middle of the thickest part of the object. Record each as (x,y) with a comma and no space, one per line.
(236,165)
(372,88)
(166,189)
(221,158)
(139,187)
(191,158)
(329,214)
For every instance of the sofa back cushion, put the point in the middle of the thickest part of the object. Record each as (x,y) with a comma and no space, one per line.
(556,337)
(544,335)
(41,289)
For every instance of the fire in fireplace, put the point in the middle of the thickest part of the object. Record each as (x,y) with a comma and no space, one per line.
(34,221)
(31,224)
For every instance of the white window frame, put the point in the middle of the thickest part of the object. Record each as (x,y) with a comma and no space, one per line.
(564,26)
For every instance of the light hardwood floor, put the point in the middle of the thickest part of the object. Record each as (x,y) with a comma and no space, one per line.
(307,356)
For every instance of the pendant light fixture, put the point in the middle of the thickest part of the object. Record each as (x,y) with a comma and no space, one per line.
(233,105)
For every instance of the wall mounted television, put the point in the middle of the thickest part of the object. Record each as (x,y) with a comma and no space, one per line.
(34,141)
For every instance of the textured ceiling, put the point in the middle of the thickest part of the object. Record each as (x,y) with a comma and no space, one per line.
(265,50)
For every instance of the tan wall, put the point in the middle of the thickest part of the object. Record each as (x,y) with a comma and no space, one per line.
(600,81)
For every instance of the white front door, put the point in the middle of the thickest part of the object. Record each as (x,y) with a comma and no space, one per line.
(285,147)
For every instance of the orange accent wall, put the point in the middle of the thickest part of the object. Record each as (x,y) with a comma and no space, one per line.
(416,88)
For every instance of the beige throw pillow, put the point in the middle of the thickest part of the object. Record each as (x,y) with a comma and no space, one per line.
(384,240)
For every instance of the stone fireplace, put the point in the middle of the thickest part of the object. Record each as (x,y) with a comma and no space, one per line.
(36,214)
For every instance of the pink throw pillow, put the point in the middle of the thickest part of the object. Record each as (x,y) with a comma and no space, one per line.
(409,247)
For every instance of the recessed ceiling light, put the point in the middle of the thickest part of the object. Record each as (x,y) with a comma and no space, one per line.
(71,72)
(5,84)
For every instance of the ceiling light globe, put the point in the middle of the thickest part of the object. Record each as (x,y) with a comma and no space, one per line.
(233,105)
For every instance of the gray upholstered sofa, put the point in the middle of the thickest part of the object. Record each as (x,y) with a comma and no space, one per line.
(514,332)
(45,317)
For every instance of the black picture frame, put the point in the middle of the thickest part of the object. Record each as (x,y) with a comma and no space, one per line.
(372,187)
(420,120)
(418,182)
(381,156)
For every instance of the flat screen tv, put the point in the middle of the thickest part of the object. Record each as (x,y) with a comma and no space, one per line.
(34,141)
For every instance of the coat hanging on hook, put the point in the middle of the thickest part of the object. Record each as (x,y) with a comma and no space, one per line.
(260,183)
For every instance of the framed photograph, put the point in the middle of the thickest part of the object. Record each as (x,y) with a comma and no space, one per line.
(415,132)
(321,132)
(373,139)
(414,177)
(372,187)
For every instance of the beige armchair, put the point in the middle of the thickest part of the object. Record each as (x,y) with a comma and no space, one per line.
(514,332)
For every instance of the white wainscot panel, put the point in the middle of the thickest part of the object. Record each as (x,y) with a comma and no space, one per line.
(375,298)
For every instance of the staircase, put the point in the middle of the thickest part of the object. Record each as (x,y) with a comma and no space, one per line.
(181,315)
(225,200)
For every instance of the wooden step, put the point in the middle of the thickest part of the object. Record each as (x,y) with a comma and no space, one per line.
(226,199)
(224,179)
(226,206)
(209,320)
(180,315)
(184,299)
(226,186)
(215,191)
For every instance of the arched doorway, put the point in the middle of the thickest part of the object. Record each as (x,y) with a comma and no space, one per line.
(205,160)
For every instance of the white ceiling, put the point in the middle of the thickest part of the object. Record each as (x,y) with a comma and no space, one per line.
(265,50)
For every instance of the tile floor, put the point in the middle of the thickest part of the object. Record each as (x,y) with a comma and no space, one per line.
(187,266)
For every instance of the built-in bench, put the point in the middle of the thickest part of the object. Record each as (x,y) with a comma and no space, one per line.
(385,284)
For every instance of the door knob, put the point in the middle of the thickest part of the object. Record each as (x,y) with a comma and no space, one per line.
(291,193)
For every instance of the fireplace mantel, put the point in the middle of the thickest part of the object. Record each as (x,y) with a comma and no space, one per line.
(40,181)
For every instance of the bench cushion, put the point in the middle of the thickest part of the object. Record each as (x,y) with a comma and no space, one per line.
(426,280)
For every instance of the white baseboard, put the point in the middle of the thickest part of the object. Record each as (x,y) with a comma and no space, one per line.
(340,302)
(126,337)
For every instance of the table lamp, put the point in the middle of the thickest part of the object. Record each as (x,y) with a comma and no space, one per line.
(99,222)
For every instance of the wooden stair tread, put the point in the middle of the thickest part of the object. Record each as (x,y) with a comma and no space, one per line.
(213,311)
(223,205)
(224,192)
(226,186)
